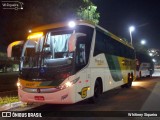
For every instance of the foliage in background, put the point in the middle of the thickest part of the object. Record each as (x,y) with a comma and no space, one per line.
(36,13)
(3,55)
(89,12)
(6,100)
(141,48)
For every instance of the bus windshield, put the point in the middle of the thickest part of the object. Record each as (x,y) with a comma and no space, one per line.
(56,50)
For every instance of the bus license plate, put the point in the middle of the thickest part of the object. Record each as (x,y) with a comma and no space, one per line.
(39,98)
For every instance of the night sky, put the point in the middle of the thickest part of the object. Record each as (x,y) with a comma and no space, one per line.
(116,16)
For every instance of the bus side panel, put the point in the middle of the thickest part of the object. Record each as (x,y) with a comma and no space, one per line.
(127,66)
(100,69)
(113,70)
(82,87)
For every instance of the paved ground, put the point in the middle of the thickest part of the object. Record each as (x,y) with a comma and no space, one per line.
(156,72)
(143,96)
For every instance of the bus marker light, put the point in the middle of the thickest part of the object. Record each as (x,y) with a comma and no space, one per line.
(72,24)
(110,82)
(89,88)
(87,80)
(35,35)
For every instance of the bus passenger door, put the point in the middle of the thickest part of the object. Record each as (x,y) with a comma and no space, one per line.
(82,70)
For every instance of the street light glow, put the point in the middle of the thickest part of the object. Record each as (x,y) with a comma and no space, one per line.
(131,29)
(143,42)
(153,60)
(152,51)
(29,31)
(150,54)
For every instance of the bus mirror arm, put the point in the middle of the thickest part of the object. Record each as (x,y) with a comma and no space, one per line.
(72,43)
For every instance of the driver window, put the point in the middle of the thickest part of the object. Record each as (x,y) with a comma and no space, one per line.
(81,60)
(80,53)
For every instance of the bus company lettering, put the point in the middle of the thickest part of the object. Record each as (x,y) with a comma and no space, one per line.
(99,62)
(83,92)
(64,97)
(126,62)
(30,84)
(18,114)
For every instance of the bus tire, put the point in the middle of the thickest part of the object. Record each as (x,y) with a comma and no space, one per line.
(149,76)
(97,92)
(150,73)
(130,79)
(140,74)
(123,86)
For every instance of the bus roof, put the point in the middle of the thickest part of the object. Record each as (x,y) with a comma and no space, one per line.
(81,22)
(114,36)
(62,24)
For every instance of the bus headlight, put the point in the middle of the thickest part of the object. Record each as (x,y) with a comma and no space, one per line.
(19,85)
(68,84)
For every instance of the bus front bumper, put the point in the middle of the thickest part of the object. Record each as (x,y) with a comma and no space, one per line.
(65,96)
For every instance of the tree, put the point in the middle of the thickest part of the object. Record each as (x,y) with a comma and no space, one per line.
(62,10)
(89,12)
(141,48)
(36,13)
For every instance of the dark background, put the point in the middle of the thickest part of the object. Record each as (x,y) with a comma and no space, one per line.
(115,15)
(118,15)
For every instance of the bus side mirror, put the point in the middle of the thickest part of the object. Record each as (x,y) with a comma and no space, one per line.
(73,40)
(22,58)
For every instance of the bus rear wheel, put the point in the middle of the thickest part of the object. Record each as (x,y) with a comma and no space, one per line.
(130,79)
(140,74)
(97,92)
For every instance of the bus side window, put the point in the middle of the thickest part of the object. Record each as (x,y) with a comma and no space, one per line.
(81,53)
(80,59)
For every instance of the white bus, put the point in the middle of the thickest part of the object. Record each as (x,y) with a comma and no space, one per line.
(144,65)
(68,62)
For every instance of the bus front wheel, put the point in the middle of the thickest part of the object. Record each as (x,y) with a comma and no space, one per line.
(97,92)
